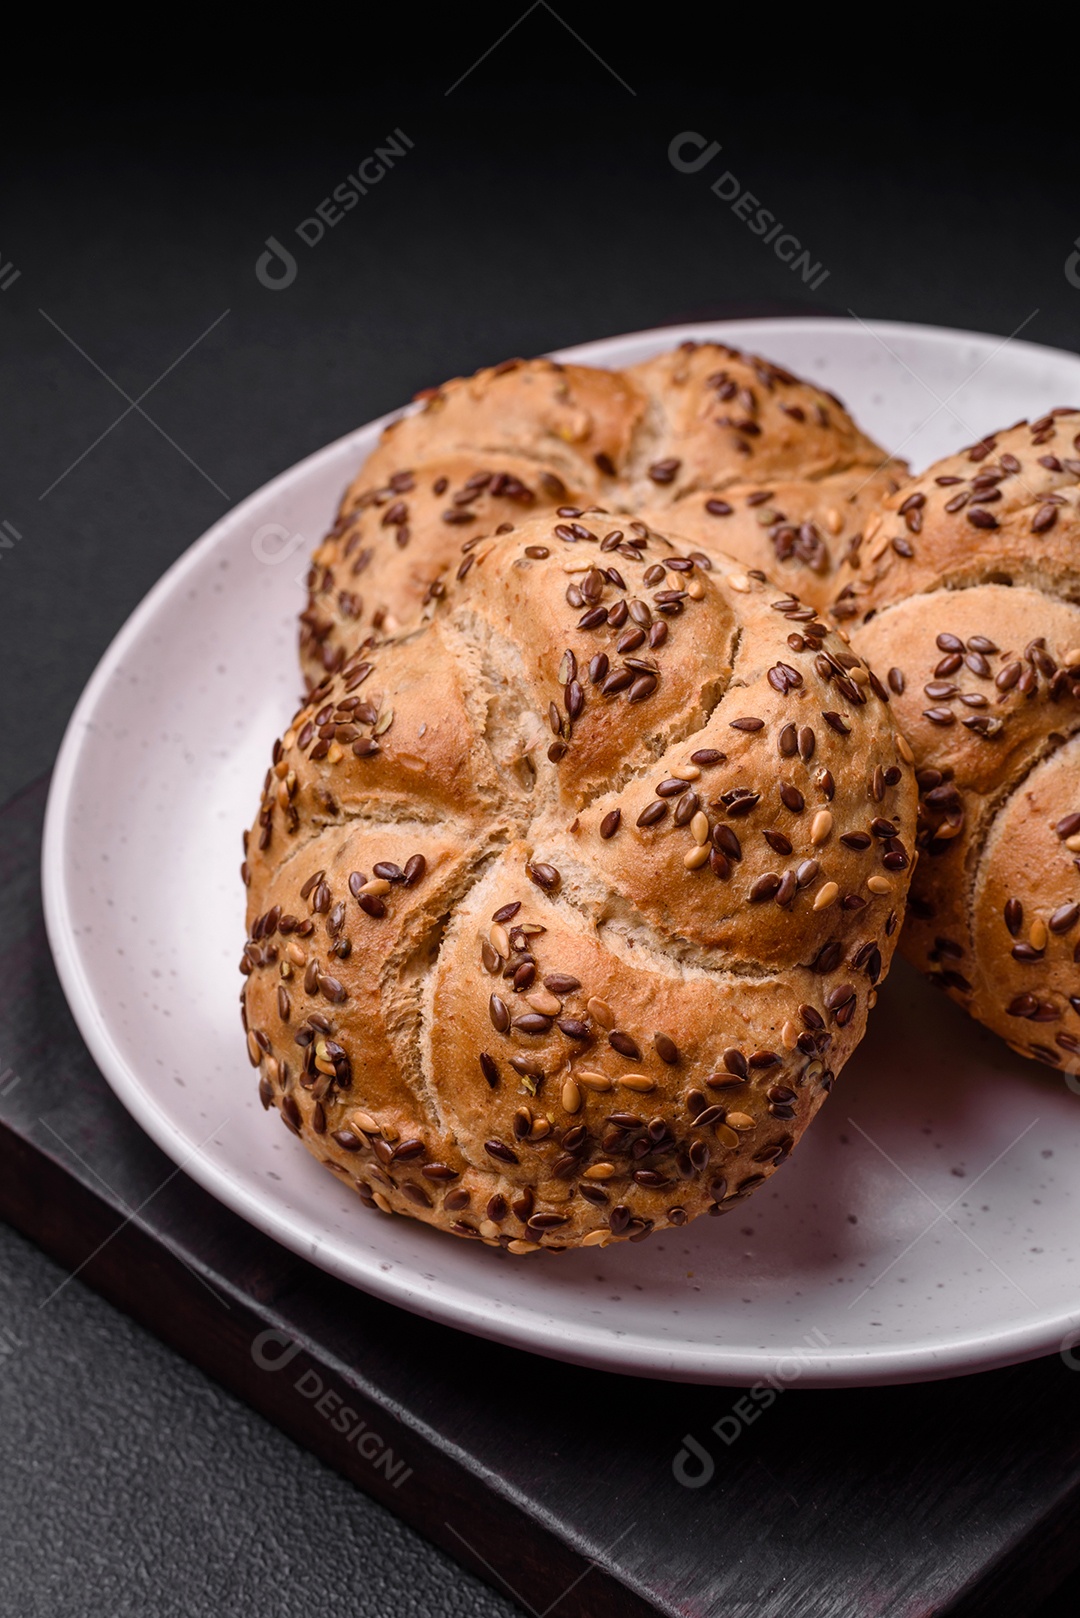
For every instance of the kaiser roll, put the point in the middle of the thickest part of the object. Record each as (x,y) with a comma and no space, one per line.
(724,448)
(965,595)
(567,906)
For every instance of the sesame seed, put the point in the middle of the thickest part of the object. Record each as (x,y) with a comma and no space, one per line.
(821,826)
(571,1097)
(542,1000)
(601,1012)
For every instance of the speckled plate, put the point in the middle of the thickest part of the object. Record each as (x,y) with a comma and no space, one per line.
(925,1227)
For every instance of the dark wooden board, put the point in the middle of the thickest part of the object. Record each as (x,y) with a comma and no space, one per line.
(554,1483)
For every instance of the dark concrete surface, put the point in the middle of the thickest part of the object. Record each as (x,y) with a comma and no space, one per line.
(536,207)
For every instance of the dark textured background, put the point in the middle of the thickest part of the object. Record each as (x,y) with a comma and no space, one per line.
(537,208)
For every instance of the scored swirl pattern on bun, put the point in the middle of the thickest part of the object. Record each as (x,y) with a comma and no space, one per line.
(567,905)
(726,449)
(965,593)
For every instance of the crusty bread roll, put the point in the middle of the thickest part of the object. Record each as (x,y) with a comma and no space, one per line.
(965,595)
(567,905)
(724,448)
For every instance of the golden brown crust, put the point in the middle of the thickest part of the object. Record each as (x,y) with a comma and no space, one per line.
(1001,511)
(578,419)
(567,906)
(670,434)
(795,529)
(720,417)
(975,613)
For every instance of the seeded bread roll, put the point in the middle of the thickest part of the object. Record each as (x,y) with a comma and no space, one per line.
(726,448)
(793,529)
(718,417)
(967,593)
(567,906)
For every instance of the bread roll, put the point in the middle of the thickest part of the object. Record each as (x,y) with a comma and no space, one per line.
(567,905)
(965,595)
(725,448)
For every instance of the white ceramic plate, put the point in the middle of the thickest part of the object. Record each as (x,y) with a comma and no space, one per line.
(927,1224)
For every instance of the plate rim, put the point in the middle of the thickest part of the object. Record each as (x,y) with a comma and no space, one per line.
(629,1353)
